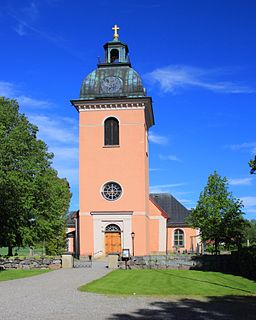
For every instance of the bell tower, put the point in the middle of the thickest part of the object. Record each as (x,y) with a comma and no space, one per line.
(114,118)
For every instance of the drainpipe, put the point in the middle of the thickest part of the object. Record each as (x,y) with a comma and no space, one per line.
(166,249)
(77,240)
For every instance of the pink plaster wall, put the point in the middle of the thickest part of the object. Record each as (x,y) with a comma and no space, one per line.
(126,164)
(188,233)
(153,236)
(140,228)
(86,235)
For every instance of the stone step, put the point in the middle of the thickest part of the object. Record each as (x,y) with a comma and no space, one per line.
(82,264)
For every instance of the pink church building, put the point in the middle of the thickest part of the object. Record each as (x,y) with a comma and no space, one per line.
(116,210)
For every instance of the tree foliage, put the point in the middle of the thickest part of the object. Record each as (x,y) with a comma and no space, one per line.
(33,199)
(250,233)
(252,164)
(218,214)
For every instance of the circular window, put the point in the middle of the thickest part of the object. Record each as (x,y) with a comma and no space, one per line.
(111,191)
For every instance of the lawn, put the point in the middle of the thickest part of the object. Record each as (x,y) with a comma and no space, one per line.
(16,274)
(171,282)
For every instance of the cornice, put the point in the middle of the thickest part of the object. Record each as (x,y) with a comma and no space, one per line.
(144,103)
(83,107)
(114,213)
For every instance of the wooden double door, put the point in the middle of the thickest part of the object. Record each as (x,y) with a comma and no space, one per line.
(112,242)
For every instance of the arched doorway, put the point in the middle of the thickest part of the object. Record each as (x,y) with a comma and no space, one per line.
(112,239)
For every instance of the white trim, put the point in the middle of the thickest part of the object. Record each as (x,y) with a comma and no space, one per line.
(100,221)
(154,217)
(104,108)
(109,106)
(162,234)
(84,214)
(139,213)
(110,116)
(98,213)
(184,238)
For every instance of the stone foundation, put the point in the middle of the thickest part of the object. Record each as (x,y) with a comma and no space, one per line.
(178,261)
(30,263)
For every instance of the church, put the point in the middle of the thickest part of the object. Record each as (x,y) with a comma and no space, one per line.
(116,211)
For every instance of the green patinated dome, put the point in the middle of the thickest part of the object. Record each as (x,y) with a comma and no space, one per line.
(125,82)
(114,77)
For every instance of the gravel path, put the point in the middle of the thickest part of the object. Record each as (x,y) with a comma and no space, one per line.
(54,295)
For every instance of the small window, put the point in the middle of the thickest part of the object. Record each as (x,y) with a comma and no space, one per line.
(112,228)
(111,132)
(178,238)
(114,56)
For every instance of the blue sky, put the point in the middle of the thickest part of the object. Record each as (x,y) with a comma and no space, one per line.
(196,59)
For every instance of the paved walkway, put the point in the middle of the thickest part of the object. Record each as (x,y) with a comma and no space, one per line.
(54,295)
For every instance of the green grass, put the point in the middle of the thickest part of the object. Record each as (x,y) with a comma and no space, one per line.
(171,282)
(17,274)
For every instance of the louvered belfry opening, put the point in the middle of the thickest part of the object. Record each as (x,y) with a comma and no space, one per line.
(111,129)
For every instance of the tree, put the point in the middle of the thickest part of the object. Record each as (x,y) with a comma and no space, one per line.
(24,164)
(218,214)
(250,233)
(252,164)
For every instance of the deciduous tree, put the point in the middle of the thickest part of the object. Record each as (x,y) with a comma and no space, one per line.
(218,214)
(252,164)
(250,233)
(33,198)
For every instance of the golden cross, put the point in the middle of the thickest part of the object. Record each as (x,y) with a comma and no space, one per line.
(115,28)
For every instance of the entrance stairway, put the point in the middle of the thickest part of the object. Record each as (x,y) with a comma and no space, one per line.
(87,261)
(83,262)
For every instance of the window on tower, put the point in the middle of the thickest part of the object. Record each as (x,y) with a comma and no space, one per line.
(114,56)
(111,132)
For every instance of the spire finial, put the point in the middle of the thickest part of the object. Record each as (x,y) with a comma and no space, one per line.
(116,35)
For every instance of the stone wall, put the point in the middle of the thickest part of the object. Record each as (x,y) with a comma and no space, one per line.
(175,261)
(30,263)
(242,263)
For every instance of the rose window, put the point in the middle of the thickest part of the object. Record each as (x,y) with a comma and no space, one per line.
(111,191)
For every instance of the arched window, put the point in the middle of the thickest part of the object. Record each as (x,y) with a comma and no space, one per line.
(114,55)
(178,238)
(112,228)
(111,132)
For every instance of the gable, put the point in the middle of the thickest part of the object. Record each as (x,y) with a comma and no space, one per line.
(156,210)
(176,212)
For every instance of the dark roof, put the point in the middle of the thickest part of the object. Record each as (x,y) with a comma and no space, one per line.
(175,210)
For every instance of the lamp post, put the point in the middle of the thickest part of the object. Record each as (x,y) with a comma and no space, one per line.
(133,236)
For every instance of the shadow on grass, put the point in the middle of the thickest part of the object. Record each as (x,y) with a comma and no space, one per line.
(206,281)
(213,308)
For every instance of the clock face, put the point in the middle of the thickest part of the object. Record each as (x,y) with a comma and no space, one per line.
(111,84)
